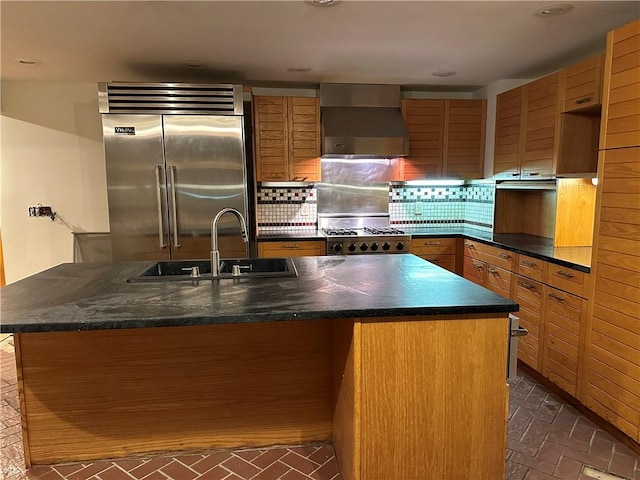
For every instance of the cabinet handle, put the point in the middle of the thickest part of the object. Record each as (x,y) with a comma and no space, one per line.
(527,263)
(299,179)
(293,245)
(531,174)
(470,246)
(526,285)
(583,100)
(477,266)
(565,274)
(492,271)
(504,255)
(432,243)
(555,297)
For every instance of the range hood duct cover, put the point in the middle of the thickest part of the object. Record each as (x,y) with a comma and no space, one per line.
(362,121)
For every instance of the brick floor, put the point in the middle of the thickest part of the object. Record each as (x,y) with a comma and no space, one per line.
(547,439)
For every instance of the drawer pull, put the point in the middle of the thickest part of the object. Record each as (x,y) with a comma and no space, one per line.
(565,274)
(504,255)
(527,263)
(526,285)
(583,100)
(470,246)
(493,271)
(431,244)
(293,245)
(556,297)
(477,266)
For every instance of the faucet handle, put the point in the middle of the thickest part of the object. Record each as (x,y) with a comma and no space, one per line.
(195,270)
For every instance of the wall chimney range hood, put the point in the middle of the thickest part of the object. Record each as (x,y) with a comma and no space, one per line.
(362,121)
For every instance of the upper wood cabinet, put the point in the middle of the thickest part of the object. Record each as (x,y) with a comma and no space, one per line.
(541,126)
(425,123)
(287,138)
(509,129)
(464,134)
(583,84)
(621,99)
(446,138)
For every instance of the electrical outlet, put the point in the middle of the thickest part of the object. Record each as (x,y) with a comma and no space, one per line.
(304,210)
(417,210)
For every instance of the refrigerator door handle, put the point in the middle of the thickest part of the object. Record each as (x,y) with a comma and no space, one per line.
(158,172)
(176,235)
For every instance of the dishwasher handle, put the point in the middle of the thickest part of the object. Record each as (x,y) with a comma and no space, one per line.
(519,332)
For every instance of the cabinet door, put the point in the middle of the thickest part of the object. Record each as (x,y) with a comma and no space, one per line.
(583,84)
(304,138)
(464,137)
(425,124)
(542,114)
(528,294)
(621,105)
(563,317)
(474,270)
(509,125)
(271,138)
(441,251)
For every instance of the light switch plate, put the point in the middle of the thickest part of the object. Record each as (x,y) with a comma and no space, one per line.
(417,210)
(304,210)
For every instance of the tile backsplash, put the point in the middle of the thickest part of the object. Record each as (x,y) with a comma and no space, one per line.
(295,208)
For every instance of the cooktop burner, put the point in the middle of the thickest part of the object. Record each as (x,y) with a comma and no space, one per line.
(383,231)
(334,232)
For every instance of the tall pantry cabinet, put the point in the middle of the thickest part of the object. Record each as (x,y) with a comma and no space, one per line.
(611,377)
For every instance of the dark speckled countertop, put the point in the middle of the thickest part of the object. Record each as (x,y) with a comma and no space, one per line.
(578,258)
(86,296)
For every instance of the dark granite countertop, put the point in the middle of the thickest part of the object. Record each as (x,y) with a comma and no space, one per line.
(578,258)
(86,296)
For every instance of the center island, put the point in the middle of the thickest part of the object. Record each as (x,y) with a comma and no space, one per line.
(400,364)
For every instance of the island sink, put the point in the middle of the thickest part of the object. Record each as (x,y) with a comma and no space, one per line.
(230,268)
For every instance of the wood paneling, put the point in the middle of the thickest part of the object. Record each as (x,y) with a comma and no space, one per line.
(285,249)
(425,123)
(464,137)
(408,403)
(2,278)
(583,84)
(531,212)
(509,133)
(113,393)
(575,212)
(621,101)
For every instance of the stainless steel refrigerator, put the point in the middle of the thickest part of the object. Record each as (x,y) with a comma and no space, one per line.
(175,156)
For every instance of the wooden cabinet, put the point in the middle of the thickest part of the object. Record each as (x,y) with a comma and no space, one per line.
(441,251)
(285,249)
(509,129)
(621,99)
(489,266)
(563,317)
(446,138)
(541,126)
(583,84)
(425,124)
(287,138)
(464,136)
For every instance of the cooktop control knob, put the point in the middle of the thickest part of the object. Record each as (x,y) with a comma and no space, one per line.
(374,246)
(386,246)
(351,247)
(337,247)
(364,247)
(400,246)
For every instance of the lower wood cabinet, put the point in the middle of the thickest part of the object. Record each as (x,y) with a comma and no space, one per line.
(285,249)
(529,295)
(441,251)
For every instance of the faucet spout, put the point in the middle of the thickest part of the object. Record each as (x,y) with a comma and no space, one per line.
(215,253)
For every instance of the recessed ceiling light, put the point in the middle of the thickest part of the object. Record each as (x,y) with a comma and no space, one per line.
(298,69)
(322,3)
(553,10)
(443,73)
(26,61)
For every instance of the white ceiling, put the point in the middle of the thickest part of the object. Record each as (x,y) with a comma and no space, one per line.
(254,42)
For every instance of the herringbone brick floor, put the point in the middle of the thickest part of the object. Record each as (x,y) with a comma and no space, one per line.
(547,439)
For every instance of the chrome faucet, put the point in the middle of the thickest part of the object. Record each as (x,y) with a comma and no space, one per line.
(215,254)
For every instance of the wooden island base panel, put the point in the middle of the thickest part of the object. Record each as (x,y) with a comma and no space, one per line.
(386,391)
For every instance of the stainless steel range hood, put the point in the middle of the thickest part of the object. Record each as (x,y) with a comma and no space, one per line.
(362,121)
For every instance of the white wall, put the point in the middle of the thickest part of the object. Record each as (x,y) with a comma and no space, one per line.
(50,153)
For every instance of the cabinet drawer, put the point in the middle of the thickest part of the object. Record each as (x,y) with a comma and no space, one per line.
(498,280)
(285,249)
(490,254)
(473,270)
(433,246)
(527,290)
(530,267)
(444,261)
(567,279)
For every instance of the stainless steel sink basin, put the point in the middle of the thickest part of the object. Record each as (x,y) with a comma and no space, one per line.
(230,268)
